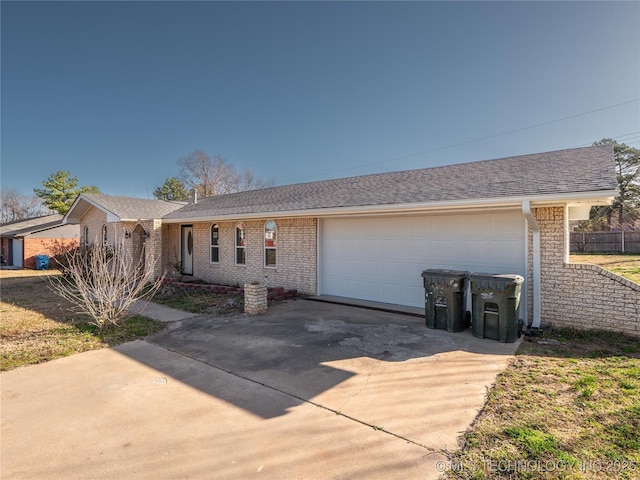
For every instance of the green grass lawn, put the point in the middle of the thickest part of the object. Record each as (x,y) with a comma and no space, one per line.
(568,407)
(200,301)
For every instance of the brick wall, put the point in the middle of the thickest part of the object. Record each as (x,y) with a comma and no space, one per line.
(95,219)
(45,246)
(579,295)
(296,253)
(170,247)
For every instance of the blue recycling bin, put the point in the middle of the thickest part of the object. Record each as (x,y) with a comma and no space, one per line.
(42,262)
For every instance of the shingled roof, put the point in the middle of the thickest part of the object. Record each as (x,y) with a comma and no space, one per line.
(121,208)
(575,171)
(19,228)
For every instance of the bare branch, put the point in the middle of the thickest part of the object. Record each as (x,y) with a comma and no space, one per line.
(215,176)
(103,282)
(16,206)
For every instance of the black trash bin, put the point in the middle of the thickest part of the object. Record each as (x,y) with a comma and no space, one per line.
(444,305)
(42,262)
(496,299)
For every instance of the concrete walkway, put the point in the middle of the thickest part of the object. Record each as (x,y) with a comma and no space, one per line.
(307,391)
(159,312)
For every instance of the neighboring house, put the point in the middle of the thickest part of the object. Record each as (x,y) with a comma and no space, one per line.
(22,240)
(136,222)
(370,237)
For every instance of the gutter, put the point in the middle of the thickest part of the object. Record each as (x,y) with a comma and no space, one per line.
(535,228)
(506,203)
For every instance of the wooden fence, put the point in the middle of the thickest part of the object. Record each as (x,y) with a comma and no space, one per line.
(605,242)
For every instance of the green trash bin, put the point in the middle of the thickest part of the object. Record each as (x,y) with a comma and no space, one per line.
(444,305)
(495,300)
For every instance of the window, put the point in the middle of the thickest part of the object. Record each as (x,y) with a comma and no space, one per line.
(241,258)
(270,244)
(104,234)
(86,236)
(215,244)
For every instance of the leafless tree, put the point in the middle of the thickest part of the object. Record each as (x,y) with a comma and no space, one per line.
(104,282)
(211,176)
(17,206)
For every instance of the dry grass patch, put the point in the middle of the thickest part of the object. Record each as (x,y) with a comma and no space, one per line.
(568,406)
(37,325)
(200,301)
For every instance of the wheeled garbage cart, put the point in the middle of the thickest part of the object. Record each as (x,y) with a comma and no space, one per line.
(495,300)
(444,305)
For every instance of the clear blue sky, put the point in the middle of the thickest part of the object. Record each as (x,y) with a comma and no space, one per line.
(117,92)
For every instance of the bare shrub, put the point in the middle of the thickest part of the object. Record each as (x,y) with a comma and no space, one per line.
(104,282)
(59,250)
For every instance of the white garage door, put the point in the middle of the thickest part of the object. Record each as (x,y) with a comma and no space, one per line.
(381,259)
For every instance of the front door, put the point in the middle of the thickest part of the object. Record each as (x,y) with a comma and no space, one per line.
(187,249)
(16,256)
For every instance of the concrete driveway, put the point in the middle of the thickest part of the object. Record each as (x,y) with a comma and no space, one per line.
(308,391)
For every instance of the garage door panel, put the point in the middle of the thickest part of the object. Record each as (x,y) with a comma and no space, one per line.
(475,226)
(381,259)
(445,227)
(504,226)
(394,273)
(472,251)
(501,250)
(446,251)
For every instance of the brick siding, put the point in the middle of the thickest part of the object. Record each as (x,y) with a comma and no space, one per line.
(170,247)
(45,246)
(95,219)
(579,295)
(296,253)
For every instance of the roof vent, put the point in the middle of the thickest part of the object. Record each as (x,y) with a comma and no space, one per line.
(194,196)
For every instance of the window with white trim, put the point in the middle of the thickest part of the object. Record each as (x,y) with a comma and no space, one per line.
(86,236)
(270,244)
(104,235)
(241,256)
(215,244)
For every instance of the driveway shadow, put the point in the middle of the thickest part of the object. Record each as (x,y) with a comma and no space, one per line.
(296,347)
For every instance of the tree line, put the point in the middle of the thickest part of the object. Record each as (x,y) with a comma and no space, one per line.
(207,175)
(624,213)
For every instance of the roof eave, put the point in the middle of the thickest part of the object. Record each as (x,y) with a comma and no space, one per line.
(32,231)
(69,218)
(602,197)
(133,220)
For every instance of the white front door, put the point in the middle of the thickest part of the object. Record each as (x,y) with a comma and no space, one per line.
(17,252)
(187,249)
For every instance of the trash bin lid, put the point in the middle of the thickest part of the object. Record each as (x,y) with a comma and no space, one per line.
(444,273)
(507,278)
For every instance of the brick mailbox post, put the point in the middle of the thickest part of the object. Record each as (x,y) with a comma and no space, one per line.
(255,299)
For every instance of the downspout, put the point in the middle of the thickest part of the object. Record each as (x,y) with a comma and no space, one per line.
(535,228)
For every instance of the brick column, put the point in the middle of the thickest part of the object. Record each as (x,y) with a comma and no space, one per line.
(255,299)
